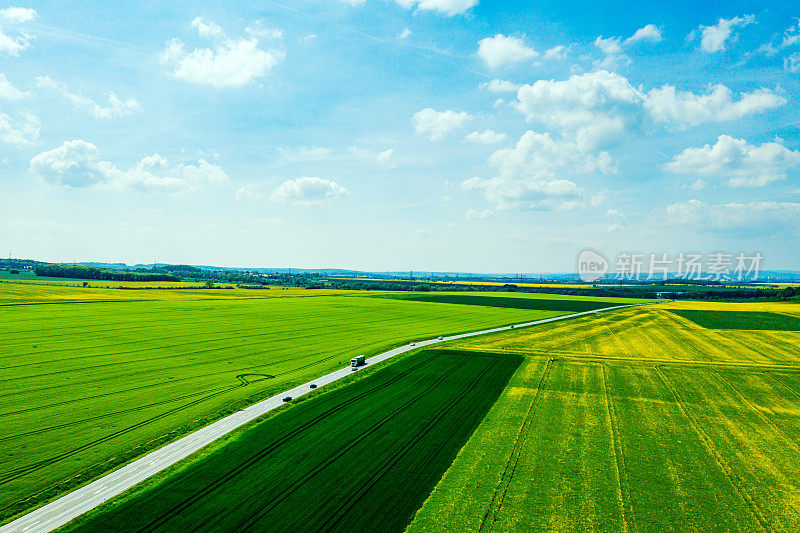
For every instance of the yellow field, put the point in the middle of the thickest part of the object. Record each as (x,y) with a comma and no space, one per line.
(653,333)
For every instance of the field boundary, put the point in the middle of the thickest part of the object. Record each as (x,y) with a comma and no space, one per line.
(60,511)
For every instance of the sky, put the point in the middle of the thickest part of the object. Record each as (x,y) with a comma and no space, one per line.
(441,135)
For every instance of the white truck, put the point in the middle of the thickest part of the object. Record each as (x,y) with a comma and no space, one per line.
(356,362)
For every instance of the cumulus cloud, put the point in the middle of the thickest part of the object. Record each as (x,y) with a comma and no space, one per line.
(22,130)
(17,15)
(8,92)
(650,33)
(474,214)
(228,63)
(530,174)
(77,164)
(666,104)
(436,124)
(448,7)
(613,55)
(744,164)
(485,137)
(594,109)
(385,158)
(714,38)
(115,107)
(405,34)
(308,192)
(502,50)
(556,52)
(754,217)
(500,86)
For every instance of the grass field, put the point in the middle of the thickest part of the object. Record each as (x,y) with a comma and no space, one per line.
(636,420)
(549,302)
(97,377)
(734,320)
(360,458)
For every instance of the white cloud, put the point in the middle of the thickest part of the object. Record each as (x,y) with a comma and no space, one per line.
(436,124)
(485,137)
(556,52)
(77,164)
(257,29)
(405,34)
(474,214)
(745,165)
(251,191)
(713,38)
(612,48)
(593,109)
(650,33)
(666,104)
(502,50)
(229,63)
(596,109)
(500,86)
(20,131)
(308,192)
(448,7)
(8,92)
(531,174)
(115,107)
(304,153)
(385,158)
(17,15)
(777,218)
(13,45)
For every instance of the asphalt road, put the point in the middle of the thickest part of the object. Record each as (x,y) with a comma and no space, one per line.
(57,513)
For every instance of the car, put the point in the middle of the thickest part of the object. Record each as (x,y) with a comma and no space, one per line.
(512,326)
(287,399)
(441,338)
(312,386)
(413,344)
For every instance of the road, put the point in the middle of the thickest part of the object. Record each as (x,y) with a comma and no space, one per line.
(57,513)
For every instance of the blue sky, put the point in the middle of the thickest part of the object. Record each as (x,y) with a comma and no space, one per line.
(398,134)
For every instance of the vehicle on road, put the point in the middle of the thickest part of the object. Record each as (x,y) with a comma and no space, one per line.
(287,399)
(441,338)
(356,362)
(413,344)
(312,386)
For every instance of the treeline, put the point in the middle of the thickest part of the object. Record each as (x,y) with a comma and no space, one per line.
(84,272)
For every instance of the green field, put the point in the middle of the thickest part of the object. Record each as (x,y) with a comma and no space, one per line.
(635,420)
(746,321)
(360,458)
(96,377)
(569,305)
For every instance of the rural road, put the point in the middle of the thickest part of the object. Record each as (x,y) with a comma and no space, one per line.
(57,513)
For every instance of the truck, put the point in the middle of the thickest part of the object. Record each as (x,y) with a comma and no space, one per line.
(356,362)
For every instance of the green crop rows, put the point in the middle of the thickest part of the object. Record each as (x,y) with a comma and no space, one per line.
(89,385)
(551,304)
(745,321)
(599,431)
(359,458)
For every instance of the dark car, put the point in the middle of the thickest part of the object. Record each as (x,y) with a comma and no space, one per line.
(312,386)
(287,399)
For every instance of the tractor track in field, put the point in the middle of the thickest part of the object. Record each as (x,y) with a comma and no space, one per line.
(17,473)
(245,465)
(250,521)
(337,516)
(723,465)
(623,484)
(243,382)
(493,509)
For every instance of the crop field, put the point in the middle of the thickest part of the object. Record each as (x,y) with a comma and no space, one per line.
(550,303)
(91,380)
(635,420)
(360,458)
(734,320)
